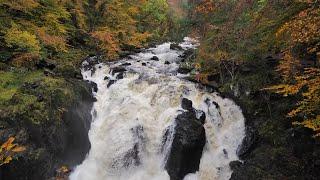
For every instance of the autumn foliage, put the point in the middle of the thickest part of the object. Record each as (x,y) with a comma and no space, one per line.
(45,28)
(8,150)
(239,32)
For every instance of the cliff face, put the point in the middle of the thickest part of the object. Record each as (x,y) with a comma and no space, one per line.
(53,143)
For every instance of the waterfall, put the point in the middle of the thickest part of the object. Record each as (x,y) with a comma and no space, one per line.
(138,100)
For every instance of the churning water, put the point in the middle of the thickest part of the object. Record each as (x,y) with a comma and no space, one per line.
(140,107)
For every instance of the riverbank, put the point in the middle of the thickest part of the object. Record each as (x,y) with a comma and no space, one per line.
(273,147)
(48,111)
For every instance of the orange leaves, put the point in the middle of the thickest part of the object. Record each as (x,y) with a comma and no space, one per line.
(57,43)
(304,28)
(25,59)
(205,7)
(106,40)
(8,150)
(63,173)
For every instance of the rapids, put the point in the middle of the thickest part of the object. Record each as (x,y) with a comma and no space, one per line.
(141,106)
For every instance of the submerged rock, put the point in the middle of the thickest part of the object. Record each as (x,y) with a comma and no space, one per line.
(94,86)
(90,62)
(118,69)
(155,58)
(120,75)
(248,142)
(126,64)
(132,157)
(187,145)
(184,70)
(111,82)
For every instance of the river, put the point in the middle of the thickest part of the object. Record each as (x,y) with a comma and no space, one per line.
(145,93)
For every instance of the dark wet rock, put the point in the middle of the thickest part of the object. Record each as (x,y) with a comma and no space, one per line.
(111,82)
(144,64)
(167,62)
(187,145)
(155,58)
(106,78)
(165,139)
(48,72)
(53,142)
(176,47)
(78,120)
(216,104)
(225,152)
(32,85)
(301,141)
(46,64)
(202,116)
(187,54)
(78,76)
(214,77)
(182,70)
(126,64)
(90,62)
(186,104)
(94,86)
(124,54)
(272,61)
(120,76)
(40,98)
(248,142)
(132,157)
(235,165)
(152,45)
(118,69)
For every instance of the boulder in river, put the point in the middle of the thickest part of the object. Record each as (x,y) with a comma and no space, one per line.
(248,142)
(187,144)
(175,46)
(118,69)
(182,70)
(132,157)
(111,82)
(155,58)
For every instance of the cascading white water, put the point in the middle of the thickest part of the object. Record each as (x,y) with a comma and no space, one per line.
(149,96)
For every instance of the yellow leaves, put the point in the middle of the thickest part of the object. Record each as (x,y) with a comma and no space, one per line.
(313,124)
(53,24)
(308,86)
(8,150)
(221,55)
(22,40)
